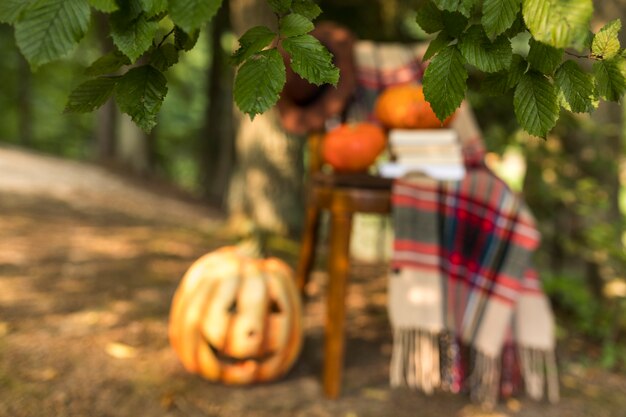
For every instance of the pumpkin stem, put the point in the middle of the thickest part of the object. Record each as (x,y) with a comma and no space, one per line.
(254,243)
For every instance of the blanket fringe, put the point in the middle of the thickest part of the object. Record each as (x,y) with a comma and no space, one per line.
(484,379)
(415,360)
(538,371)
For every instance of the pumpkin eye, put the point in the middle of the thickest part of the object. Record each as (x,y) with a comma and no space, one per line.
(275,308)
(232,308)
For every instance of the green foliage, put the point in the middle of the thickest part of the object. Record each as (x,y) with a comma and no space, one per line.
(468,33)
(445,81)
(106,6)
(107,64)
(484,54)
(576,86)
(133,35)
(90,95)
(306,8)
(536,103)
(544,58)
(164,57)
(560,23)
(311,60)
(499,15)
(609,76)
(606,44)
(259,82)
(190,15)
(430,18)
(50,29)
(262,74)
(254,40)
(540,78)
(140,93)
(295,24)
(11,10)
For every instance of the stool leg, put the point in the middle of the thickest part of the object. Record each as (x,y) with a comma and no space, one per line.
(339,262)
(307,247)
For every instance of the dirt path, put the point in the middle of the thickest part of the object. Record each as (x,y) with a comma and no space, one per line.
(88,265)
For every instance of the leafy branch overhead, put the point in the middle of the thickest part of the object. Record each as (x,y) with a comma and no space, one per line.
(149,36)
(544,79)
(262,72)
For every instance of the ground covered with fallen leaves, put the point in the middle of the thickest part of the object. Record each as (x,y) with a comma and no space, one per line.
(88,265)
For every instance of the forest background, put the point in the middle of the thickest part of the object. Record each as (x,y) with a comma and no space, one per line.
(574,181)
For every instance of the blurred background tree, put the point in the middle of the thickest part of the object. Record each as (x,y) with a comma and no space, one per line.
(574,181)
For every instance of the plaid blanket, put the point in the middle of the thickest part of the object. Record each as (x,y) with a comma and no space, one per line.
(462,277)
(466,307)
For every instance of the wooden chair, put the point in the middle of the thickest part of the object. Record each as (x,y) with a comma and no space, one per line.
(342,195)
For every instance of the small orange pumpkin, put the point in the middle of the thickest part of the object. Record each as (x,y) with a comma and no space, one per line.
(404,107)
(353,147)
(236,319)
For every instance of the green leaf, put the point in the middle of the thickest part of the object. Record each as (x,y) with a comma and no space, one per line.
(485,55)
(429,18)
(192,14)
(544,58)
(259,82)
(445,82)
(576,86)
(441,41)
(462,6)
(466,6)
(132,37)
(11,10)
(90,95)
(606,44)
(153,7)
(454,23)
(294,25)
(495,84)
(50,29)
(610,78)
(311,60)
(164,56)
(559,23)
(499,15)
(518,68)
(107,6)
(107,64)
(140,93)
(517,27)
(185,41)
(306,8)
(503,81)
(280,6)
(251,42)
(536,104)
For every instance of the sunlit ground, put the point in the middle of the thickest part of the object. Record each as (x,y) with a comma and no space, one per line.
(88,266)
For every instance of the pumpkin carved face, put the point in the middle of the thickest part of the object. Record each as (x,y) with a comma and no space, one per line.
(353,147)
(236,319)
(404,107)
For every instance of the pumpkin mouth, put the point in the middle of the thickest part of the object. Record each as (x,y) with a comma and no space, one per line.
(231,360)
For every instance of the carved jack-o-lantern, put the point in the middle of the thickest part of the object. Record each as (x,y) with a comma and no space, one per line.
(236,319)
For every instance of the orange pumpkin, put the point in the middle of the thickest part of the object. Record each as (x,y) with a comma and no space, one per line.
(236,319)
(353,147)
(404,107)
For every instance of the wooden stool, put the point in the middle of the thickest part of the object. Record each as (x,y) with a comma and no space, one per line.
(342,195)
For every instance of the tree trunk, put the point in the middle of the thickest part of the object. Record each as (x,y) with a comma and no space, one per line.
(134,146)
(25,113)
(216,145)
(267,186)
(105,130)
